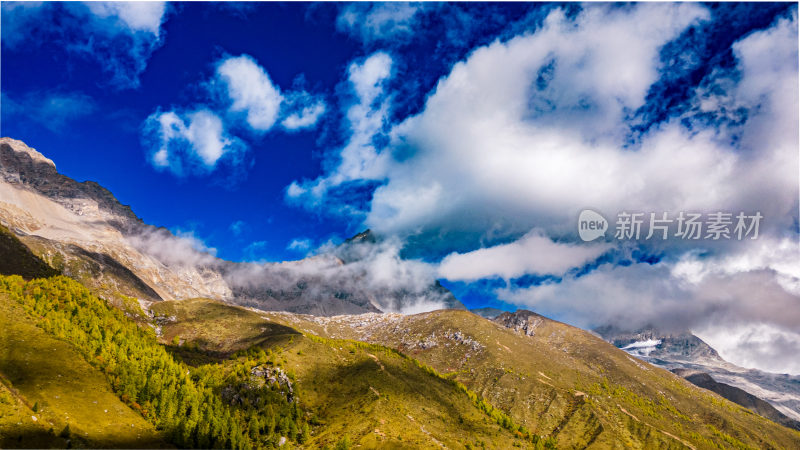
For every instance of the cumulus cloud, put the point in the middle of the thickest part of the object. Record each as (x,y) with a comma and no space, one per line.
(189,142)
(251,91)
(372,22)
(242,93)
(534,253)
(120,36)
(526,132)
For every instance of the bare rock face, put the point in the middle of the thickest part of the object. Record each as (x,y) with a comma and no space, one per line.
(273,376)
(83,230)
(521,321)
(25,167)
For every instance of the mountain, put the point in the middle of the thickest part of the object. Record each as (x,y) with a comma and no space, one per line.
(82,230)
(738,396)
(556,380)
(653,343)
(216,376)
(684,352)
(148,341)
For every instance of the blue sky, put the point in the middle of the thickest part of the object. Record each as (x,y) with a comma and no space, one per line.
(66,104)
(469,135)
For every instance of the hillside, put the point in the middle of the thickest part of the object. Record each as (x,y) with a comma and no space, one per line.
(48,386)
(683,351)
(115,385)
(738,396)
(397,401)
(560,381)
(18,259)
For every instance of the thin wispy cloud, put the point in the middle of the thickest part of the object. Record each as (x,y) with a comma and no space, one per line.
(52,109)
(375,22)
(365,116)
(119,36)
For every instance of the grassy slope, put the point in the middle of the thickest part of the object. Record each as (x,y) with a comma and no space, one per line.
(51,374)
(567,383)
(375,396)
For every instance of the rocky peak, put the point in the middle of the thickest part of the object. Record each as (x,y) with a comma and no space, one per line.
(22,165)
(20,147)
(365,236)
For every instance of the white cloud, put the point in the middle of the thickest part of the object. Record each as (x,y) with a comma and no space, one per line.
(251,91)
(379,21)
(300,245)
(528,132)
(539,151)
(305,118)
(366,117)
(534,253)
(757,345)
(120,35)
(181,248)
(189,142)
(525,133)
(136,16)
(179,140)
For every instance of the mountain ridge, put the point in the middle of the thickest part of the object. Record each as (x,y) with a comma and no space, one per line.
(684,352)
(85,230)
